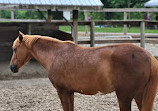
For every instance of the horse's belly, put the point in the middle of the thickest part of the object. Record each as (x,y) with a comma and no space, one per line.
(101,79)
(101,84)
(92,91)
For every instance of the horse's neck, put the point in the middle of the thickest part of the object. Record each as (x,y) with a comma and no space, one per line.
(43,51)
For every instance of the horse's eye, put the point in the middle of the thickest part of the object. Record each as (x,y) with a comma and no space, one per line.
(14,50)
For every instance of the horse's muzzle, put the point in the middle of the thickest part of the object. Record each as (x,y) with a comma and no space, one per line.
(14,68)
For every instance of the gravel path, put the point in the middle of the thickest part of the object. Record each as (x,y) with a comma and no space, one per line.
(40,95)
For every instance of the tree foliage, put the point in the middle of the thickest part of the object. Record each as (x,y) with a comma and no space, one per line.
(123,4)
(5,14)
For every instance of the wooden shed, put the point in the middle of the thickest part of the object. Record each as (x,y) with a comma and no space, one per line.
(9,30)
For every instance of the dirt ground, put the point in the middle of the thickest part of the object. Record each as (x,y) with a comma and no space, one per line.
(40,95)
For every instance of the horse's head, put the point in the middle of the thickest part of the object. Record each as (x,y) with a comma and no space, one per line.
(21,53)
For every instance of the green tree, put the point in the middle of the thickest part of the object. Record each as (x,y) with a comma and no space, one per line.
(5,14)
(123,4)
(81,16)
(22,14)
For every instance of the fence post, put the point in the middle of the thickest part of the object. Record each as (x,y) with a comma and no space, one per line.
(75,26)
(125,25)
(92,35)
(12,14)
(28,28)
(86,19)
(49,14)
(142,34)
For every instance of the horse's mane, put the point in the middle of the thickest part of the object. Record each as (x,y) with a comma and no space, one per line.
(30,40)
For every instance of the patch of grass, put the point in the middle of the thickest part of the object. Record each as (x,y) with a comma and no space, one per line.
(68,28)
(109,29)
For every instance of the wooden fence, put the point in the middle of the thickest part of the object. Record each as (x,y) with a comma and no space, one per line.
(140,23)
(92,24)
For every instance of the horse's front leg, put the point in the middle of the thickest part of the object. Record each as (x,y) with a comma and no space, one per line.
(67,99)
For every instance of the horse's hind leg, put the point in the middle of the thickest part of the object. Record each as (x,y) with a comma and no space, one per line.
(138,99)
(148,96)
(145,98)
(124,100)
(144,101)
(67,100)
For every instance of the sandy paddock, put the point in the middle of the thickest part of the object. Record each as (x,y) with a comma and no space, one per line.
(40,95)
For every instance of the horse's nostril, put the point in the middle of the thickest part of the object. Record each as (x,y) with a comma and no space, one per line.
(14,68)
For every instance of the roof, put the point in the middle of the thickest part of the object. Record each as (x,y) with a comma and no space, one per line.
(52,4)
(151,3)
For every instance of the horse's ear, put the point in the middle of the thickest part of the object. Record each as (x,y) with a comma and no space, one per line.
(21,36)
(20,33)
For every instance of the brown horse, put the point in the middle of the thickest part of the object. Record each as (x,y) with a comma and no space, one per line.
(127,69)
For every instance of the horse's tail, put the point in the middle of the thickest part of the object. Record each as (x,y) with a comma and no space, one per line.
(151,87)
